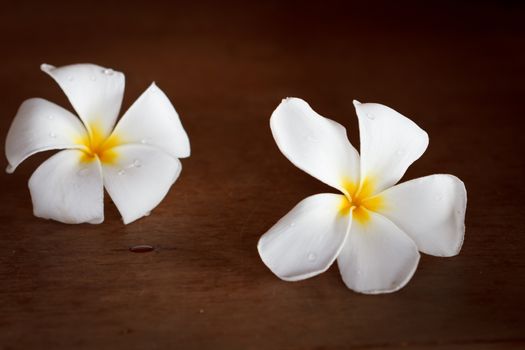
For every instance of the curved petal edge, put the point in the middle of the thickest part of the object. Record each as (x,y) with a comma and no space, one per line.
(307,240)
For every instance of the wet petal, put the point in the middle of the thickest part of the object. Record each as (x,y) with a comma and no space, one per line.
(431,210)
(67,189)
(152,120)
(40,125)
(390,142)
(139,178)
(306,241)
(317,145)
(95,93)
(377,257)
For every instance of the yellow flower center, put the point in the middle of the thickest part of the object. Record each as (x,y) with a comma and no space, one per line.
(361,199)
(98,145)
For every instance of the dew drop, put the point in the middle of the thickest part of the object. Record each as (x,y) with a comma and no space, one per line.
(311,138)
(144,141)
(370,116)
(108,71)
(136,164)
(141,248)
(50,117)
(292,224)
(83,172)
(121,172)
(312,256)
(52,135)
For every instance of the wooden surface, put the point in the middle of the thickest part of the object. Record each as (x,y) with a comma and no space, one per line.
(457,70)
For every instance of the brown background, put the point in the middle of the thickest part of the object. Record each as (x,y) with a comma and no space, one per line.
(457,70)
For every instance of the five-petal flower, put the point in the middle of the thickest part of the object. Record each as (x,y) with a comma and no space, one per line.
(375,228)
(136,161)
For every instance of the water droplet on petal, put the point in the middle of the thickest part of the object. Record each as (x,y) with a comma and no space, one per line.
(108,71)
(292,224)
(52,135)
(312,138)
(312,256)
(83,172)
(370,116)
(144,141)
(136,163)
(121,172)
(50,117)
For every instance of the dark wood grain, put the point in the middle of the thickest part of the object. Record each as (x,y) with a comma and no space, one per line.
(457,70)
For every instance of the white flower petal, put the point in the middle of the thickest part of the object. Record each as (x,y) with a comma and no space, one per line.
(139,179)
(306,241)
(152,120)
(317,145)
(431,210)
(390,142)
(68,190)
(377,257)
(40,125)
(95,93)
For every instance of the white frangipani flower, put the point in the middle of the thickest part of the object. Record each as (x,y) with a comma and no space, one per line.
(375,228)
(136,161)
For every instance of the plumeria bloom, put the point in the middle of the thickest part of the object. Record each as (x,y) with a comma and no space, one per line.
(375,228)
(136,160)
